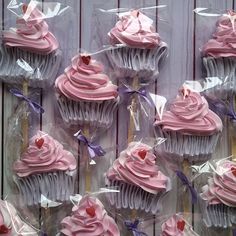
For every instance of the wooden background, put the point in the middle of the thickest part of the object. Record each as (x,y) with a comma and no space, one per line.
(187,34)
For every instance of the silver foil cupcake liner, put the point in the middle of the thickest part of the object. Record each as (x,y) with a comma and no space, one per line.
(38,70)
(223,68)
(190,147)
(94,113)
(56,186)
(219,215)
(134,197)
(131,62)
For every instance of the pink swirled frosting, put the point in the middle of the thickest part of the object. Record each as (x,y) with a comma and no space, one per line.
(136,165)
(221,188)
(32,33)
(89,218)
(134,29)
(44,156)
(84,80)
(177,226)
(11,223)
(190,115)
(223,43)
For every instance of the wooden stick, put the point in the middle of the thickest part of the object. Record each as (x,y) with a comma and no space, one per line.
(25,122)
(88,168)
(187,207)
(134,108)
(131,130)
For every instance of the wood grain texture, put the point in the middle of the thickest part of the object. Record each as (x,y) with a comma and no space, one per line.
(184,32)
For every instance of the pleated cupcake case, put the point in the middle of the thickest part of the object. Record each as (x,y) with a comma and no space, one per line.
(17,65)
(143,63)
(95,113)
(190,147)
(134,197)
(218,215)
(56,186)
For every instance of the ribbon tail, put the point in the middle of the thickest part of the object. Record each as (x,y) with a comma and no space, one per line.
(194,194)
(36,107)
(91,152)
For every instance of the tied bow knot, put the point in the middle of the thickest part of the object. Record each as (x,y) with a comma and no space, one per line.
(133,226)
(141,92)
(36,107)
(186,182)
(93,149)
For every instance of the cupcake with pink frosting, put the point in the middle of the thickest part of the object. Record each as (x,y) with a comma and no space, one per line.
(190,128)
(138,48)
(85,95)
(45,169)
(219,53)
(89,218)
(137,177)
(11,224)
(177,226)
(30,51)
(219,201)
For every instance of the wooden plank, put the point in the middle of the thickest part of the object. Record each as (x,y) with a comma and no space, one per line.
(106,139)
(204,27)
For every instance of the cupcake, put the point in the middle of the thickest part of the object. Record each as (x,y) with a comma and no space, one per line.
(30,51)
(218,196)
(45,169)
(89,218)
(177,226)
(85,95)
(138,49)
(137,178)
(219,53)
(190,128)
(11,223)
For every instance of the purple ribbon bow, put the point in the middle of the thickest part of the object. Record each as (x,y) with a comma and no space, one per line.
(186,182)
(141,92)
(36,107)
(93,149)
(133,226)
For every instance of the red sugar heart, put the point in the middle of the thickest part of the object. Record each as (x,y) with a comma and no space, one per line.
(233,169)
(90,211)
(3,229)
(86,59)
(142,153)
(24,8)
(39,142)
(181,225)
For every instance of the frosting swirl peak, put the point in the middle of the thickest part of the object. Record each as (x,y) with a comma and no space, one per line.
(221,188)
(89,218)
(44,154)
(136,165)
(32,33)
(190,115)
(177,226)
(134,29)
(223,43)
(84,80)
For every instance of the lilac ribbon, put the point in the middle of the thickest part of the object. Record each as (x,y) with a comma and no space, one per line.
(141,92)
(36,107)
(234,232)
(186,182)
(133,226)
(93,149)
(221,108)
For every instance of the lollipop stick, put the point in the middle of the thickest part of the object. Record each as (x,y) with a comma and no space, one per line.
(133,111)
(87,170)
(186,201)
(25,123)
(131,129)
